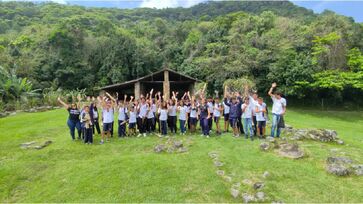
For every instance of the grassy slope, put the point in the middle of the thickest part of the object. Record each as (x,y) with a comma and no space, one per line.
(129,171)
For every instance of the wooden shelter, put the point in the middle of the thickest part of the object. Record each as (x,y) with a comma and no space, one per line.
(165,81)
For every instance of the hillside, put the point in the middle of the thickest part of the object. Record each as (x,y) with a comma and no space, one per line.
(70,47)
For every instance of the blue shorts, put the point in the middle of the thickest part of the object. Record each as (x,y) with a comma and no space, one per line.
(193,121)
(107,127)
(216,119)
(132,125)
(233,122)
(226,116)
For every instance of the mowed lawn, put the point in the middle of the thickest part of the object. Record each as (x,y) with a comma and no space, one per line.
(128,170)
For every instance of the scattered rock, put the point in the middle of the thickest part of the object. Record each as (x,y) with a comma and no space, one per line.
(236,185)
(34,145)
(248,198)
(213,155)
(290,150)
(264,146)
(27,144)
(234,192)
(270,139)
(12,113)
(340,142)
(339,166)
(322,135)
(338,169)
(247,181)
(159,148)
(260,196)
(178,144)
(227,178)
(339,160)
(218,163)
(265,174)
(258,185)
(358,169)
(220,172)
(46,143)
(183,149)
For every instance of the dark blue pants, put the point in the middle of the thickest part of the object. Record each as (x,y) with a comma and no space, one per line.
(121,128)
(163,127)
(88,135)
(72,126)
(205,126)
(172,125)
(182,126)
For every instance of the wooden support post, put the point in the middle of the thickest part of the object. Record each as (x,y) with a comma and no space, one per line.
(166,85)
(137,90)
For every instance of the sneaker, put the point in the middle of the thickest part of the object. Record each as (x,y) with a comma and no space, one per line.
(139,135)
(207,136)
(144,134)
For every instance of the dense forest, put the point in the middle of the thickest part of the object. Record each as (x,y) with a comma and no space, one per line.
(45,47)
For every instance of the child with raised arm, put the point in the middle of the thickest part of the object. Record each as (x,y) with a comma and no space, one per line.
(261,110)
(122,117)
(217,109)
(278,110)
(183,116)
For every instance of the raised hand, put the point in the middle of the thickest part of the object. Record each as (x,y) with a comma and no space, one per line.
(274,85)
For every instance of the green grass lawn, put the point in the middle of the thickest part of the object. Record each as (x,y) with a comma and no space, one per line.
(129,171)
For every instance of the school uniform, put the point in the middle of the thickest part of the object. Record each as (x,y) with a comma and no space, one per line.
(233,113)
(150,120)
(254,103)
(260,117)
(277,110)
(247,120)
(182,118)
(132,119)
(225,112)
(88,134)
(172,118)
(122,117)
(204,119)
(193,115)
(142,120)
(94,117)
(210,120)
(163,117)
(107,119)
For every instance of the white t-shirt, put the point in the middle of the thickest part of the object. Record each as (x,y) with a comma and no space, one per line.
(107,115)
(163,114)
(193,112)
(95,114)
(210,107)
(132,118)
(260,116)
(172,110)
(254,103)
(216,111)
(183,112)
(248,111)
(150,114)
(143,110)
(122,113)
(226,108)
(277,105)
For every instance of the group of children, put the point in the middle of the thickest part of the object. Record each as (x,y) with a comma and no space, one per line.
(155,114)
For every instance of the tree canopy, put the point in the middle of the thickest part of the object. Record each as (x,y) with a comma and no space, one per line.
(73,47)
